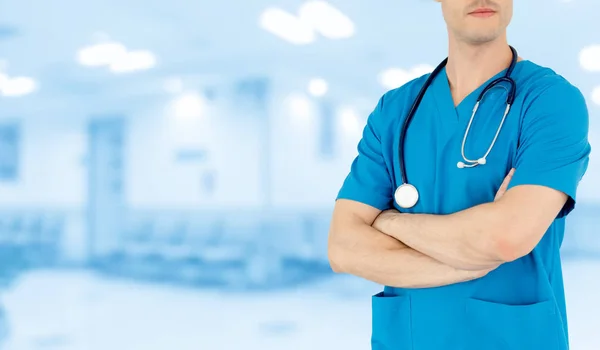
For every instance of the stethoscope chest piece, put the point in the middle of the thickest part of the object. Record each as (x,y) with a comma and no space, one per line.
(406,196)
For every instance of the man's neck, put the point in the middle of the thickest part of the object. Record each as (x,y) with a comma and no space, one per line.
(469,66)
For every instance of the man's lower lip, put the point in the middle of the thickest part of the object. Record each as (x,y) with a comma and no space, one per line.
(483,14)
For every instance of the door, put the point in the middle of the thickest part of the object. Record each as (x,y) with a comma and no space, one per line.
(106,188)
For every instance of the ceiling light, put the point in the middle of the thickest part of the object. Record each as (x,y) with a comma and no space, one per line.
(188,106)
(317,87)
(3,80)
(589,58)
(327,20)
(350,120)
(101,54)
(596,95)
(395,77)
(19,86)
(300,108)
(133,61)
(286,26)
(420,70)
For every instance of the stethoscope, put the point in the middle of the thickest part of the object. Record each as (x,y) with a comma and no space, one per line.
(407,195)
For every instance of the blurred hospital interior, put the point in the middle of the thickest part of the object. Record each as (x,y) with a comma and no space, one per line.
(168,168)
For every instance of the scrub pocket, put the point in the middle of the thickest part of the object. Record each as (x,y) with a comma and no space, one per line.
(391,322)
(495,326)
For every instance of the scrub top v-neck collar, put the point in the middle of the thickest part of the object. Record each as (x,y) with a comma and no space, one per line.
(452,116)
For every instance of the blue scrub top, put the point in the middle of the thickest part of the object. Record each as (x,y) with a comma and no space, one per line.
(520,305)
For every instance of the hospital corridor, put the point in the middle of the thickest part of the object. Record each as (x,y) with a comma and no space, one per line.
(168,169)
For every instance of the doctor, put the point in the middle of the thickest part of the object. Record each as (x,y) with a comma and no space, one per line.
(466,264)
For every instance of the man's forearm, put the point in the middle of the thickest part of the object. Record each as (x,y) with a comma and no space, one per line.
(372,255)
(464,240)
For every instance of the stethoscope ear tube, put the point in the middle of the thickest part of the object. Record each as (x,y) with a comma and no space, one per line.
(411,114)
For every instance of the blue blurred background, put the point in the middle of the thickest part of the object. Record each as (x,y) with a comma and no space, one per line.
(168,168)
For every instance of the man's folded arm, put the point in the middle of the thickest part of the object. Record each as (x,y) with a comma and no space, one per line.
(356,248)
(483,236)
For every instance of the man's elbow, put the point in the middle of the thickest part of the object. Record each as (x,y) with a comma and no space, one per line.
(521,218)
(334,262)
(335,255)
(514,244)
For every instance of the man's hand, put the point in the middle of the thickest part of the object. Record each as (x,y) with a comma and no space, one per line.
(386,215)
(389,214)
(383,219)
(504,185)
(395,224)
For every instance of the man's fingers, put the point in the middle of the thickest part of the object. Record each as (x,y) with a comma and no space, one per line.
(507,179)
(505,183)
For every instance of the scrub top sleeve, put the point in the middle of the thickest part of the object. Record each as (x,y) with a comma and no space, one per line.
(369,181)
(553,146)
